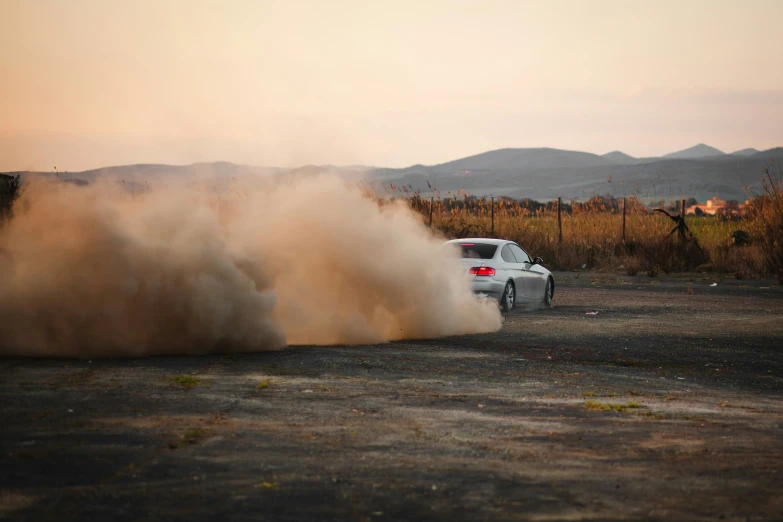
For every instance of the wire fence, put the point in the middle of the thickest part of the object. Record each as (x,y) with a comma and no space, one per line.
(487,210)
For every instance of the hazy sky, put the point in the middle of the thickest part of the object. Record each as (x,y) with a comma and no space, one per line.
(93,83)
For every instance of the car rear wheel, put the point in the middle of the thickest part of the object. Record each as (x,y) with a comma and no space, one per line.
(507,300)
(548,293)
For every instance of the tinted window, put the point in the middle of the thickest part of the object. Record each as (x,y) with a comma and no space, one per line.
(520,254)
(478,250)
(507,256)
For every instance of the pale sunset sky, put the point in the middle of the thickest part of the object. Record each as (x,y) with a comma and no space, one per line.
(90,83)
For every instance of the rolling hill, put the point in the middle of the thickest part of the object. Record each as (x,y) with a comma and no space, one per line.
(536,173)
(773,154)
(745,152)
(524,158)
(620,157)
(545,174)
(696,152)
(218,175)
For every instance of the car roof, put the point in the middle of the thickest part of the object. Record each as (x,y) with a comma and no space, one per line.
(481,240)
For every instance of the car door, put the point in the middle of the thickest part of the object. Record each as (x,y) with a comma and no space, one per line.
(514,270)
(532,282)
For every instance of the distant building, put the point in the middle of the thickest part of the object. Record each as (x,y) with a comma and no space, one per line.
(711,207)
(714,206)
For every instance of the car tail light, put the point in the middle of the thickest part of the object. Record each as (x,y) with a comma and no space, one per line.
(482,271)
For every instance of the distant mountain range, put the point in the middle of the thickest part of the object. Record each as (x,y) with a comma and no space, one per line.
(537,173)
(543,173)
(699,151)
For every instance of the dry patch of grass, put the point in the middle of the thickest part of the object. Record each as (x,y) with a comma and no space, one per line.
(605,406)
(598,394)
(592,233)
(652,414)
(187,381)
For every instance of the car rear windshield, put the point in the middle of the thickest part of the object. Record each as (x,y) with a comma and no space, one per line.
(478,250)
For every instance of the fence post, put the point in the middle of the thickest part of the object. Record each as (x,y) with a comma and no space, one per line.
(492,202)
(559,224)
(623,220)
(682,208)
(431,203)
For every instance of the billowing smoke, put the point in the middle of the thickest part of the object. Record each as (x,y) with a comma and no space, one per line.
(102,271)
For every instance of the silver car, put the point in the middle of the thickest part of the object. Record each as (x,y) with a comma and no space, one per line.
(503,270)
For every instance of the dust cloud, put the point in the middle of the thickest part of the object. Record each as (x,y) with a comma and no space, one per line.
(178,269)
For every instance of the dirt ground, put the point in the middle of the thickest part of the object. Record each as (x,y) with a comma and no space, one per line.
(665,405)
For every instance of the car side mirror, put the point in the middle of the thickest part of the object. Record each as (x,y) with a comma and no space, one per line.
(538,261)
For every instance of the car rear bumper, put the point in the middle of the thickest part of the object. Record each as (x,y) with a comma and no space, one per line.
(488,287)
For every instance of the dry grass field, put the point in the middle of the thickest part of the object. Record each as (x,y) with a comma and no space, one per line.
(590,234)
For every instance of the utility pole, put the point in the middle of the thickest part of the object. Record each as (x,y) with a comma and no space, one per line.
(492,202)
(624,219)
(559,224)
